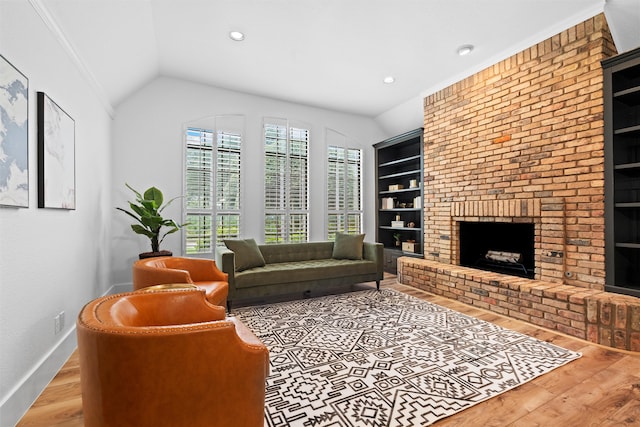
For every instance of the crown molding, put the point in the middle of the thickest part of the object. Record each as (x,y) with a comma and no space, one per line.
(50,22)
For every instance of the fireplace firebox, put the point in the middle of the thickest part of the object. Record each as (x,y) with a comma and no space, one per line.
(501,247)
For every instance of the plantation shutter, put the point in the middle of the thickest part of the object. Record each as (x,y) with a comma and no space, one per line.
(199,191)
(286,182)
(213,184)
(228,187)
(344,186)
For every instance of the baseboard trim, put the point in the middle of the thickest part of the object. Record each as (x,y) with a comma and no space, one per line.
(20,399)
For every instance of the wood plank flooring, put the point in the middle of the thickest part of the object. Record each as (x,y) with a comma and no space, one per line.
(600,389)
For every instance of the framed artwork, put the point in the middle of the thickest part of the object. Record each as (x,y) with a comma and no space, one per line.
(56,156)
(14,136)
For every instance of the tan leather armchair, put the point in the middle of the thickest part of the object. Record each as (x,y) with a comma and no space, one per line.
(168,358)
(201,272)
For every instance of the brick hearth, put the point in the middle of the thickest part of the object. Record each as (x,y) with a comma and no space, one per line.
(601,317)
(523,141)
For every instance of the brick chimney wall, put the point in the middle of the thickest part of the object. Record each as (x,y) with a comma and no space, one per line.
(523,141)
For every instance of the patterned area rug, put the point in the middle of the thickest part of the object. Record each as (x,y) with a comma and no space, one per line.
(382,358)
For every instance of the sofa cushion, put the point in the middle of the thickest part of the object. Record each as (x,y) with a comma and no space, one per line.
(300,271)
(348,246)
(289,252)
(247,253)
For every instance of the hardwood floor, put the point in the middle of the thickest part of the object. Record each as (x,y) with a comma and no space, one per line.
(602,388)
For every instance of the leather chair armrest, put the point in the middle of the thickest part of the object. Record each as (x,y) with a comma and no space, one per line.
(144,276)
(204,270)
(250,342)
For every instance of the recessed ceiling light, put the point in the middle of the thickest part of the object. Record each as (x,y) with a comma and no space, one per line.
(236,36)
(465,49)
(388,80)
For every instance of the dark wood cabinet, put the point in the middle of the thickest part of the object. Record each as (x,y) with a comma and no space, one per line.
(399,192)
(622,172)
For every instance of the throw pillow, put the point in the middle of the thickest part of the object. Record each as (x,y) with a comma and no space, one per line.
(348,246)
(247,253)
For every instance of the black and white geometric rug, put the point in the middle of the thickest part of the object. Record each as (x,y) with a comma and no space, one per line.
(383,358)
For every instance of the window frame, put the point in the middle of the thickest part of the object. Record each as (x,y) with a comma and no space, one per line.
(280,211)
(213,211)
(345,208)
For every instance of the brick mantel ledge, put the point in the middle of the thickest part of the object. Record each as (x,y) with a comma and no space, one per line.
(601,317)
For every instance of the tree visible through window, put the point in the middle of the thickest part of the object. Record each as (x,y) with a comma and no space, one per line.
(210,166)
(286,177)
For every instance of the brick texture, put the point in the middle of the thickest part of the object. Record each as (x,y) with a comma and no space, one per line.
(600,317)
(523,141)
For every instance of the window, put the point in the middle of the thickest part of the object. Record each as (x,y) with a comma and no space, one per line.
(344,191)
(286,178)
(212,189)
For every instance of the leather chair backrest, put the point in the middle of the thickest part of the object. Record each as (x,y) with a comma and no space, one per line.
(158,308)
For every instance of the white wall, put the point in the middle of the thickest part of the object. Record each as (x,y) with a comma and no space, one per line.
(403,118)
(147,150)
(50,260)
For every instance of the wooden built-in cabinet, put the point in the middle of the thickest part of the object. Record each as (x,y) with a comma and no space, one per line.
(399,193)
(622,172)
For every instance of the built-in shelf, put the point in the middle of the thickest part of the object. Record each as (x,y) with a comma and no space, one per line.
(628,205)
(628,129)
(400,174)
(388,227)
(399,161)
(628,245)
(625,166)
(622,172)
(402,190)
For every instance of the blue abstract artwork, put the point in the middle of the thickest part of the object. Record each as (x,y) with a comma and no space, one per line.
(14,124)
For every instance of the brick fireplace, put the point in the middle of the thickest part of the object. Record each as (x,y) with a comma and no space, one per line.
(522,142)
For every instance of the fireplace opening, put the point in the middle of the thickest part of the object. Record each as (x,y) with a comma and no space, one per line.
(501,247)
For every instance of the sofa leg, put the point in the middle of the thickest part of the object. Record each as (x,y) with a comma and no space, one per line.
(229,306)
(378,284)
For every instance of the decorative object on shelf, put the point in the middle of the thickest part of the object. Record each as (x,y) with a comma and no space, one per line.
(14,138)
(417,202)
(387,203)
(396,236)
(411,224)
(398,222)
(147,212)
(413,183)
(411,246)
(56,156)
(396,187)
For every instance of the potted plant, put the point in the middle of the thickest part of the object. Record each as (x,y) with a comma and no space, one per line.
(396,236)
(146,210)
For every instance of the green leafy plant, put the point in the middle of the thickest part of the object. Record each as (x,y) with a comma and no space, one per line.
(146,210)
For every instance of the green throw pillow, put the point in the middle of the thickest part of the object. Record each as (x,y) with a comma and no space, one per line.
(247,253)
(348,246)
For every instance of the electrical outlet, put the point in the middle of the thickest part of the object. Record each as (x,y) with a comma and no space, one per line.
(58,323)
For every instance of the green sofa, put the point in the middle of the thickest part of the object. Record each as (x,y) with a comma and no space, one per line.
(298,268)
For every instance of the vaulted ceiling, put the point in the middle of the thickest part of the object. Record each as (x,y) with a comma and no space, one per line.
(332,54)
